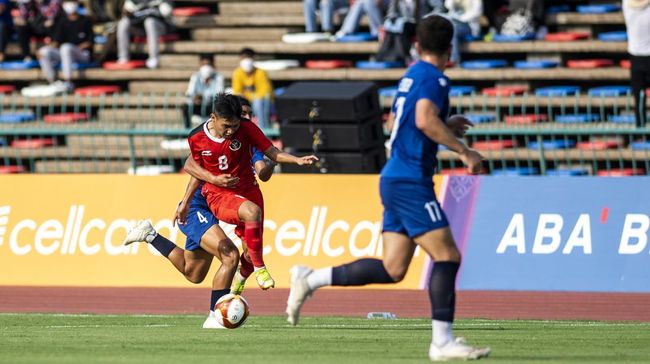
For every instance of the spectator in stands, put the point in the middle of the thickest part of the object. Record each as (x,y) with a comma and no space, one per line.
(375,10)
(327,9)
(204,84)
(524,17)
(465,15)
(254,84)
(72,42)
(637,20)
(36,19)
(153,17)
(6,26)
(105,14)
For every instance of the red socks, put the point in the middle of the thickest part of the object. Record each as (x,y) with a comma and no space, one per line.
(253,237)
(246,266)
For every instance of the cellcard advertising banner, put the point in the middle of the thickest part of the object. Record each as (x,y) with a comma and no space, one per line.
(67,230)
(585,234)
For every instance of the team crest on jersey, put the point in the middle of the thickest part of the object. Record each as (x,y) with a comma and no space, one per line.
(206,152)
(234,145)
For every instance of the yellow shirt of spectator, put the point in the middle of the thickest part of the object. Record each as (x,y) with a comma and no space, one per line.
(253,86)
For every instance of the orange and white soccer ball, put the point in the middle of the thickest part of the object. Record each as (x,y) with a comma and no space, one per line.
(231,311)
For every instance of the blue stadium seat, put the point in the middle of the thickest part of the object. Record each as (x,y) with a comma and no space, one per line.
(558,9)
(479,118)
(502,38)
(567,172)
(17,117)
(279,91)
(388,91)
(18,65)
(461,90)
(609,91)
(621,119)
(553,144)
(100,39)
(598,9)
(484,64)
(620,36)
(375,65)
(521,171)
(356,37)
(555,91)
(577,118)
(640,145)
(536,64)
(472,38)
(83,65)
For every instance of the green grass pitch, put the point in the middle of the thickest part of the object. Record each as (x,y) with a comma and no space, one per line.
(52,338)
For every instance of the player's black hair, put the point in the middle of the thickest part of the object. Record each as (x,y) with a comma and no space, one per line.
(244,101)
(247,52)
(206,56)
(434,34)
(226,106)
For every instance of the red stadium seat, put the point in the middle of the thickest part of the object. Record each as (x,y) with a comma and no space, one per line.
(33,143)
(328,64)
(599,145)
(460,171)
(621,172)
(7,89)
(525,118)
(12,169)
(97,90)
(124,66)
(566,36)
(191,11)
(166,38)
(625,63)
(504,90)
(494,144)
(590,63)
(65,118)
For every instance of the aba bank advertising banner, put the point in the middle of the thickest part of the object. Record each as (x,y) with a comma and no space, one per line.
(66,230)
(552,234)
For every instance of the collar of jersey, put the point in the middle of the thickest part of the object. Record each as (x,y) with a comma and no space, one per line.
(207,132)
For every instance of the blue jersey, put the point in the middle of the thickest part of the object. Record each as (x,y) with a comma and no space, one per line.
(413,154)
(199,217)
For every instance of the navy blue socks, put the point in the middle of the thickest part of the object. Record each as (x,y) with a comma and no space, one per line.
(442,290)
(360,272)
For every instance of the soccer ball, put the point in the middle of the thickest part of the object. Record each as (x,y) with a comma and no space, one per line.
(231,311)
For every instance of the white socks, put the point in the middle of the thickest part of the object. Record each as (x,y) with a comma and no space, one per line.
(149,238)
(255,269)
(319,278)
(441,332)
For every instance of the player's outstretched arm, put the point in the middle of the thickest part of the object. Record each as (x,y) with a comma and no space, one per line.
(427,120)
(264,169)
(279,156)
(183,207)
(198,172)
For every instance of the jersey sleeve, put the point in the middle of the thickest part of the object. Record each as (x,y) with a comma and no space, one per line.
(195,149)
(256,137)
(257,156)
(434,89)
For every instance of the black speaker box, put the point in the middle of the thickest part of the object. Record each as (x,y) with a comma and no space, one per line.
(370,161)
(334,136)
(332,101)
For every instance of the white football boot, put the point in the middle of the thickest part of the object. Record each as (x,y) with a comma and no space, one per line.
(456,349)
(299,292)
(139,232)
(211,322)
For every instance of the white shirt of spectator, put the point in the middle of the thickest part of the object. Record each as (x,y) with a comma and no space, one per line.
(637,20)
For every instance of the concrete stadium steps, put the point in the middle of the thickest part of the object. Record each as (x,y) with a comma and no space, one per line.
(113,141)
(584,46)
(191,61)
(157,86)
(351,74)
(95,153)
(72,166)
(238,34)
(582,101)
(257,8)
(525,154)
(277,47)
(585,19)
(172,99)
(241,20)
(149,116)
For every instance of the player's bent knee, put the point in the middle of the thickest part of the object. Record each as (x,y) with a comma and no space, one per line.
(229,253)
(249,211)
(397,274)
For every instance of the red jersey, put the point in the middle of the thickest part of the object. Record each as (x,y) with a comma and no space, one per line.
(228,156)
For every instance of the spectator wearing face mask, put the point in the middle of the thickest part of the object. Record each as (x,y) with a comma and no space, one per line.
(253,84)
(72,42)
(36,19)
(204,84)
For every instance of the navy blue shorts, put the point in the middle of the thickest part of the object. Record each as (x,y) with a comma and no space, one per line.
(199,220)
(410,206)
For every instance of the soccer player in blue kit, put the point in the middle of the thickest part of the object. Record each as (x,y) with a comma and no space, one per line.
(205,238)
(412,215)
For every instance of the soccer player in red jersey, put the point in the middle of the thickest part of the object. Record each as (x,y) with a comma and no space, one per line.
(223,146)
